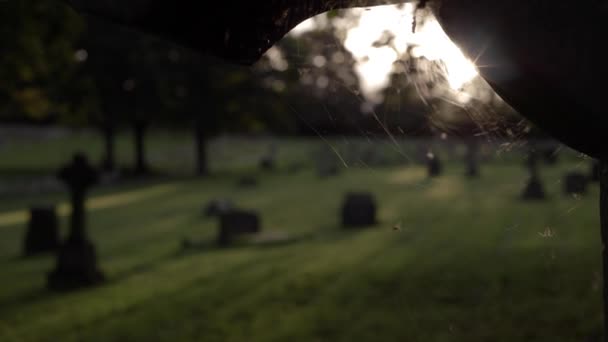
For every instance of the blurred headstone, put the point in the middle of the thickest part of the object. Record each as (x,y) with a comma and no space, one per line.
(42,231)
(575,183)
(76,259)
(267,163)
(472,158)
(217,207)
(358,210)
(247,182)
(534,189)
(235,223)
(433,165)
(595,171)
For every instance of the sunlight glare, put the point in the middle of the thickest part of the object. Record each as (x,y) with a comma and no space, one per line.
(374,63)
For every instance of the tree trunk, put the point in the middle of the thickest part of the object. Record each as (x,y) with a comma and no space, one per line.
(109,159)
(139,131)
(201,149)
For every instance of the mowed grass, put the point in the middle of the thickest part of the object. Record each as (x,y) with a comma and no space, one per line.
(451,259)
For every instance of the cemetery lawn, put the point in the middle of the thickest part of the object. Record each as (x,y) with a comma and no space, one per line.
(451,259)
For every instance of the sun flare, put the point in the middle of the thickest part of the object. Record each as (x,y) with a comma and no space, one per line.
(375,62)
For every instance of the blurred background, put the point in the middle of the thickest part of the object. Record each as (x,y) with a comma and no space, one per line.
(359,182)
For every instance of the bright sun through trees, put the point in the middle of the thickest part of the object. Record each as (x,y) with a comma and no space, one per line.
(365,26)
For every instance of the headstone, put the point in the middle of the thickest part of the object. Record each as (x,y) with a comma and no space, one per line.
(76,259)
(472,159)
(267,163)
(358,210)
(247,182)
(534,189)
(42,231)
(575,183)
(218,207)
(433,165)
(235,223)
(595,171)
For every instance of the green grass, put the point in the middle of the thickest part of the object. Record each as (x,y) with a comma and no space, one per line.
(467,262)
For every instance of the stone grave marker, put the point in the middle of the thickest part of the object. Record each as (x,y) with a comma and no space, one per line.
(534,189)
(236,223)
(268,161)
(433,165)
(42,231)
(575,183)
(217,207)
(76,259)
(358,210)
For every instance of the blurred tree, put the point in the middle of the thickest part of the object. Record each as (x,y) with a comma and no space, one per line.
(38,64)
(320,83)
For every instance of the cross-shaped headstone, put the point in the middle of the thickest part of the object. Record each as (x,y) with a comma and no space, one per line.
(79,176)
(76,259)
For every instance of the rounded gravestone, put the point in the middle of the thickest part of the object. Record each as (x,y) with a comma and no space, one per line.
(42,231)
(218,207)
(575,183)
(358,210)
(235,223)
